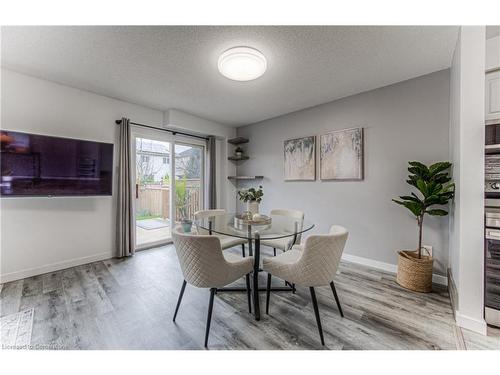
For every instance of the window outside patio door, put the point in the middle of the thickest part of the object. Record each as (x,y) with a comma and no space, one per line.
(168,184)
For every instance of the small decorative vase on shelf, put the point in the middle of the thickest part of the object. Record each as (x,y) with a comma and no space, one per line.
(253,207)
(238,152)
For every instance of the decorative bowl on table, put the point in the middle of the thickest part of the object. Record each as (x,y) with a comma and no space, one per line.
(242,221)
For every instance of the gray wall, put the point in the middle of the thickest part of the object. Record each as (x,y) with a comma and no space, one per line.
(402,122)
(41,235)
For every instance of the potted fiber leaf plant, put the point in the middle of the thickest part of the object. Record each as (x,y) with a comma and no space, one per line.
(433,187)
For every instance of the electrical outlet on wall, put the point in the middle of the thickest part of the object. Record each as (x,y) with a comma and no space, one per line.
(428,248)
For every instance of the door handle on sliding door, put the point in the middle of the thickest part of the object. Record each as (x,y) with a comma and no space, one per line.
(136,191)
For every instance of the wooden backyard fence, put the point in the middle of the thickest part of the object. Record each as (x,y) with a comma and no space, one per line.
(154,200)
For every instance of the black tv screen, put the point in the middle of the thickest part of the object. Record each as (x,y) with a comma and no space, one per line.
(40,165)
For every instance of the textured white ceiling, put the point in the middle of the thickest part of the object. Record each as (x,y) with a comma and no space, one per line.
(167,67)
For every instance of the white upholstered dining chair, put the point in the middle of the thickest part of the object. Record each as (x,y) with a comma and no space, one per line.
(204,265)
(313,266)
(225,241)
(286,243)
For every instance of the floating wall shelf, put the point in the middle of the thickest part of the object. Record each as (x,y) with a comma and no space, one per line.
(237,140)
(244,177)
(237,158)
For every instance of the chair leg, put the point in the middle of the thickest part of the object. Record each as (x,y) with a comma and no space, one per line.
(209,316)
(316,312)
(274,251)
(180,299)
(249,293)
(243,249)
(291,285)
(268,292)
(332,285)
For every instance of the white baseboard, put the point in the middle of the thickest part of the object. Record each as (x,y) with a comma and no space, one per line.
(439,279)
(387,267)
(452,289)
(28,272)
(7,277)
(472,324)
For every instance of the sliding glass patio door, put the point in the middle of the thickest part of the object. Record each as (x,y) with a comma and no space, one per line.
(168,184)
(189,181)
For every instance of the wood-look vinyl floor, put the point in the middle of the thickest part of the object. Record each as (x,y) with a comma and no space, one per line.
(129,304)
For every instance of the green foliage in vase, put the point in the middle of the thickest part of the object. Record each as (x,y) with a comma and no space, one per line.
(434,187)
(250,195)
(181,197)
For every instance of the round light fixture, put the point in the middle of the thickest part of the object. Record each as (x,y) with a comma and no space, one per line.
(242,64)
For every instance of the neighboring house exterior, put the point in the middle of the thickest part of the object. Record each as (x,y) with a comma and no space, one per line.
(153,161)
(188,163)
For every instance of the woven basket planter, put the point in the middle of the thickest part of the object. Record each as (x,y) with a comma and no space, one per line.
(413,273)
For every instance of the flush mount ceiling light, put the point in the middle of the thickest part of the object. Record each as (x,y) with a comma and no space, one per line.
(242,64)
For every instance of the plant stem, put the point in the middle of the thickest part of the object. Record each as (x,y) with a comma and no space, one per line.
(420,224)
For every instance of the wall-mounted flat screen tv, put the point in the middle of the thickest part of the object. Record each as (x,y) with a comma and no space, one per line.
(40,165)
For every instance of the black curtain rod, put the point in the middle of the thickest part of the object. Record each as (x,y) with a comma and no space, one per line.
(174,132)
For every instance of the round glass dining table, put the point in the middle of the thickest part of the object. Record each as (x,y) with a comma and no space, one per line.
(270,227)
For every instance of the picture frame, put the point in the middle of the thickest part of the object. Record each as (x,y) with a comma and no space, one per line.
(342,155)
(300,159)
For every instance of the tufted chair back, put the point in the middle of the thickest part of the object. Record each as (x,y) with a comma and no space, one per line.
(215,215)
(201,259)
(294,214)
(321,257)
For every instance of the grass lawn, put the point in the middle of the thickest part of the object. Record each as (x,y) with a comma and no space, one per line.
(145,217)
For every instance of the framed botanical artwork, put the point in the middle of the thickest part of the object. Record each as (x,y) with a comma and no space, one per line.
(341,155)
(300,159)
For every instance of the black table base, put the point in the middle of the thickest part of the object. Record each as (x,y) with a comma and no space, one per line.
(256,269)
(256,289)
